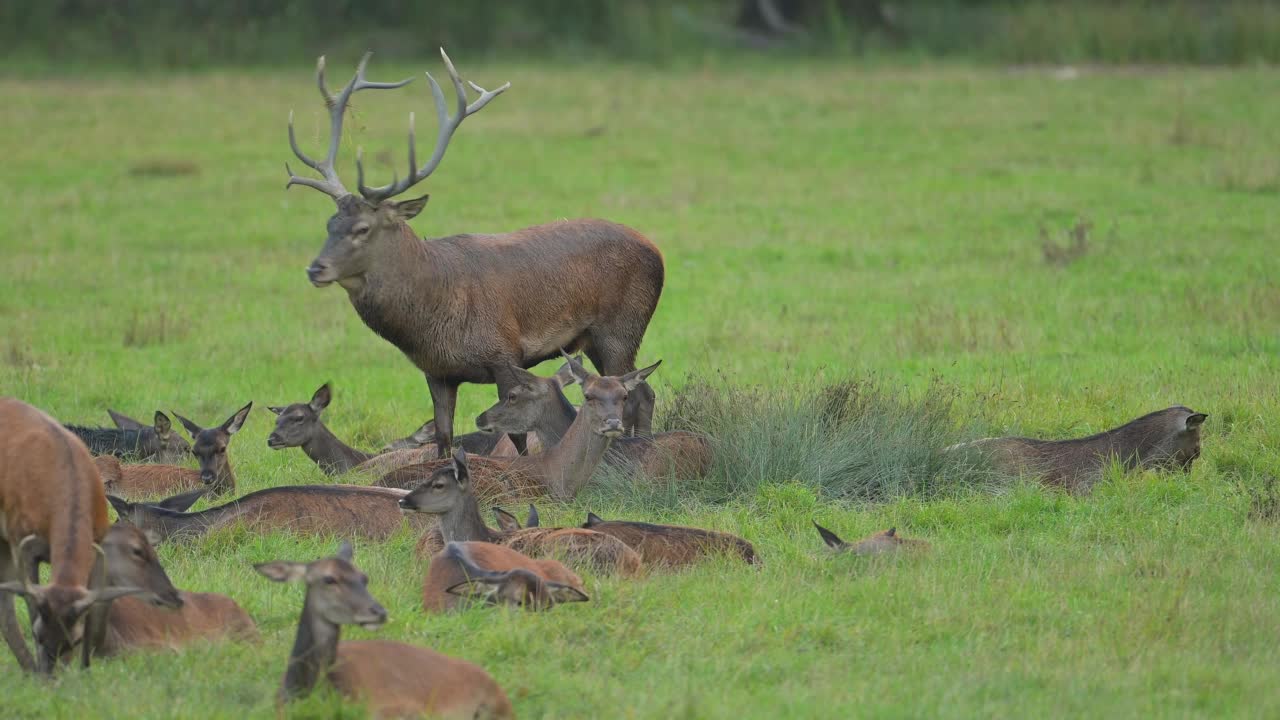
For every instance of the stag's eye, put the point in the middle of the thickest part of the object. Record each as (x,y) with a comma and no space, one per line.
(360,230)
(330,580)
(511,396)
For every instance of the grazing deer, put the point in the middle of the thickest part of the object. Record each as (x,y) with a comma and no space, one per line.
(464,308)
(132,440)
(52,509)
(349,510)
(210,448)
(886,541)
(497,575)
(447,494)
(560,471)
(673,545)
(1165,439)
(168,619)
(392,679)
(538,405)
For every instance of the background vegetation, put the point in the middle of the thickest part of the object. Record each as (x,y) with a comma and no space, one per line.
(987,250)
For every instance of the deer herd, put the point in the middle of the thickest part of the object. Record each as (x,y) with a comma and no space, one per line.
(467,308)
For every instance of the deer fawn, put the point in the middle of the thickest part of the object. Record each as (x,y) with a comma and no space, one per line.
(497,575)
(393,679)
(597,282)
(131,439)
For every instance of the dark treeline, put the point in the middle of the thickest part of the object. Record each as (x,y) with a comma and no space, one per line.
(195,33)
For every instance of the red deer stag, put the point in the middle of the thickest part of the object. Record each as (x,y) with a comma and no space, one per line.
(52,509)
(466,307)
(392,679)
(497,575)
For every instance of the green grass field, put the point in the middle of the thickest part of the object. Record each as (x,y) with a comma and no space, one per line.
(819,221)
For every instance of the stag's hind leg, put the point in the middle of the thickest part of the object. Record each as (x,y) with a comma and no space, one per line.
(9,626)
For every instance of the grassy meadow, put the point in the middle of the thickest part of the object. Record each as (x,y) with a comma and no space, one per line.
(908,226)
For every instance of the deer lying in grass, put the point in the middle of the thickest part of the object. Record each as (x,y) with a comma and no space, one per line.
(169,618)
(538,405)
(673,545)
(299,425)
(52,509)
(561,470)
(151,481)
(392,679)
(887,541)
(132,440)
(347,510)
(464,308)
(447,494)
(497,575)
(476,443)
(1165,439)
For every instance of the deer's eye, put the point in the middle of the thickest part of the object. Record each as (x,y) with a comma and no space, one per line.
(360,230)
(330,580)
(137,552)
(221,450)
(511,396)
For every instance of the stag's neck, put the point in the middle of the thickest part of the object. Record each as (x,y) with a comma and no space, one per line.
(314,649)
(405,268)
(556,419)
(463,522)
(332,455)
(567,466)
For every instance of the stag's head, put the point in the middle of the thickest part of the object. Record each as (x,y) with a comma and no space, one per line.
(363,221)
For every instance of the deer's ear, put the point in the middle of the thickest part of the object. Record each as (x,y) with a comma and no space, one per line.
(562,593)
(830,538)
(234,423)
(479,588)
(1196,420)
(506,521)
(162,424)
(282,571)
(191,427)
(633,379)
(409,209)
(320,400)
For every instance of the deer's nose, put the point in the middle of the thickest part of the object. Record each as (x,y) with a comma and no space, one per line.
(206,476)
(612,427)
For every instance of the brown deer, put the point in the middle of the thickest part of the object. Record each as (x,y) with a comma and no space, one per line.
(887,541)
(673,545)
(497,575)
(392,679)
(466,307)
(150,481)
(476,443)
(299,425)
(168,619)
(131,439)
(52,509)
(1165,439)
(538,405)
(447,494)
(560,471)
(350,510)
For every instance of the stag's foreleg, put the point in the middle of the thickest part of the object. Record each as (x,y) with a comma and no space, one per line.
(9,626)
(444,398)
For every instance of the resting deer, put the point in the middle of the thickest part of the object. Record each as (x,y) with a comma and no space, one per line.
(476,443)
(880,543)
(538,405)
(497,575)
(132,440)
(52,509)
(392,679)
(447,494)
(169,618)
(1165,439)
(561,470)
(348,510)
(465,308)
(673,545)
(210,448)
(299,425)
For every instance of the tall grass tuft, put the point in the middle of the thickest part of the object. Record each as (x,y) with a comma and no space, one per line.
(851,440)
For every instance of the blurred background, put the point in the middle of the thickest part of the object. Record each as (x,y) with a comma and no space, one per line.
(198,33)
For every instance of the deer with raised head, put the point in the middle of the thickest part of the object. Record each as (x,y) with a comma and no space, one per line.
(465,308)
(347,510)
(886,541)
(673,545)
(561,470)
(448,495)
(497,575)
(132,440)
(392,679)
(210,448)
(52,509)
(538,405)
(1166,439)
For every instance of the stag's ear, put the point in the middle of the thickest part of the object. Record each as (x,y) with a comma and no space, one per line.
(562,593)
(320,399)
(124,422)
(461,469)
(632,379)
(830,538)
(532,520)
(162,424)
(191,427)
(592,519)
(409,209)
(235,422)
(1195,420)
(282,571)
(506,521)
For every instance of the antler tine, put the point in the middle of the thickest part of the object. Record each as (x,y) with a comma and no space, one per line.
(447,127)
(331,184)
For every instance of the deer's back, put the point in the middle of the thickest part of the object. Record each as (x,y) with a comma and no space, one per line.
(399,680)
(579,548)
(145,482)
(445,572)
(134,623)
(674,545)
(492,479)
(347,510)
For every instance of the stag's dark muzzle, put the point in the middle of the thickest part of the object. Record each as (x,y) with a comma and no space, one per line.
(321,273)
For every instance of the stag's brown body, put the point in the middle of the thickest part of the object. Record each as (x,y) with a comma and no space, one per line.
(673,545)
(447,572)
(138,481)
